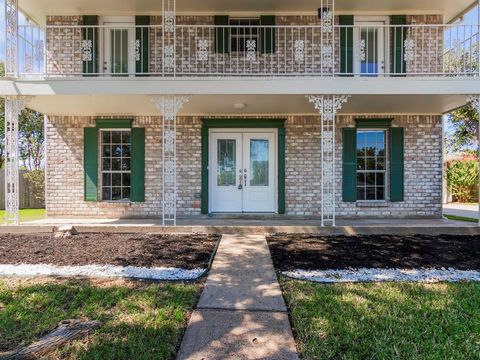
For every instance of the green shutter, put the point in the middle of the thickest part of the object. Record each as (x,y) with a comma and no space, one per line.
(267,35)
(398,37)
(142,35)
(90,163)
(396,164)
(137,192)
(346,45)
(91,34)
(349,175)
(222,34)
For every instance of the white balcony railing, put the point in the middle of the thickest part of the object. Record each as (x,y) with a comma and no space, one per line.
(268,51)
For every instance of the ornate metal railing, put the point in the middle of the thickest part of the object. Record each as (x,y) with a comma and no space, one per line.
(268,51)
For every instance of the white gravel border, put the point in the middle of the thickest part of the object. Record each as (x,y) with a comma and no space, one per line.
(382,275)
(102,271)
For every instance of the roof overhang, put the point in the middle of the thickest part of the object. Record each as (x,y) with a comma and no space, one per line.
(96,96)
(37,10)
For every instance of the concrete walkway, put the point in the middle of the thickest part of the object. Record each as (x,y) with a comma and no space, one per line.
(464,210)
(241,313)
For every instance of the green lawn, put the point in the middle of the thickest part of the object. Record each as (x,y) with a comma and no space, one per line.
(140,320)
(26,215)
(461,218)
(385,320)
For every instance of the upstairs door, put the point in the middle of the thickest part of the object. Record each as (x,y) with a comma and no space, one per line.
(370,51)
(118,45)
(242,171)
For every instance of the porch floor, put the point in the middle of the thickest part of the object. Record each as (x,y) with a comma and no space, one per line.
(255,225)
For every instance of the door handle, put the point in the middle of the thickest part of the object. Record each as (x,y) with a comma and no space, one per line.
(240,186)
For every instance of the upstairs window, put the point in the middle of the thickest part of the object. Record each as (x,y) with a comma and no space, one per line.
(244,32)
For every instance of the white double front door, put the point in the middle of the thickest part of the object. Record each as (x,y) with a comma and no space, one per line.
(242,168)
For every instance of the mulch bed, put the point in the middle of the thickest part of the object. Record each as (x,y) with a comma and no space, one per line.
(141,250)
(310,252)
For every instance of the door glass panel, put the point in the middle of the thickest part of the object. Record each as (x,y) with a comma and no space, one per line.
(369,52)
(226,162)
(259,162)
(119,50)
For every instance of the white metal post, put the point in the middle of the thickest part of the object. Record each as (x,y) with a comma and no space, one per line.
(169,105)
(13,107)
(327,106)
(11,37)
(474,100)
(168,37)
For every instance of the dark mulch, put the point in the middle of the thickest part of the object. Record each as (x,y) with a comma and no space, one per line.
(311,252)
(143,250)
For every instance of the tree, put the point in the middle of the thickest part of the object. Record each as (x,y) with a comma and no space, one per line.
(464,135)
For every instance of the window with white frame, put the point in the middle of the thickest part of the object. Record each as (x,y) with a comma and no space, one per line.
(242,31)
(371,165)
(116,175)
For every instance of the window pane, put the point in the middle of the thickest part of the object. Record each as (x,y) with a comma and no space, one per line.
(380,179)
(106,179)
(107,151)
(126,179)
(360,179)
(125,193)
(106,193)
(370,195)
(106,137)
(116,164)
(125,150)
(126,137)
(116,193)
(370,163)
(119,51)
(116,150)
(361,163)
(126,164)
(116,137)
(370,179)
(106,164)
(116,179)
(380,164)
(361,193)
(226,162)
(259,162)
(380,193)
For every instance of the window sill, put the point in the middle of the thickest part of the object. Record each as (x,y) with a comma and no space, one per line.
(372,204)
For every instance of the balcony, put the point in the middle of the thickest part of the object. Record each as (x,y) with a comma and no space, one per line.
(248,51)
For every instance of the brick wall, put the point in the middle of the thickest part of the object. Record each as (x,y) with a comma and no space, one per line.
(423,169)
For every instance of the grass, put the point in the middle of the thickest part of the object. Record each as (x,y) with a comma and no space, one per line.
(385,320)
(461,218)
(26,215)
(140,320)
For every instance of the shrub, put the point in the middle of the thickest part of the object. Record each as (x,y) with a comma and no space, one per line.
(462,179)
(37,180)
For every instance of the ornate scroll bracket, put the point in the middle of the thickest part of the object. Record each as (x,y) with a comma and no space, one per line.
(169,106)
(13,108)
(327,106)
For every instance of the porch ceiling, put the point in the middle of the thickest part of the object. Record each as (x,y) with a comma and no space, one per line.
(208,105)
(38,9)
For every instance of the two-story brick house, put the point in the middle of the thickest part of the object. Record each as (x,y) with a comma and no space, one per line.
(306,108)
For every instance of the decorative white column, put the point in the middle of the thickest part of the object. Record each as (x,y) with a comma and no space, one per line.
(327,37)
(168,39)
(11,31)
(13,107)
(327,106)
(169,105)
(474,101)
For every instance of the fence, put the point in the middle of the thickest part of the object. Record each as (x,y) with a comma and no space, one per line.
(27,194)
